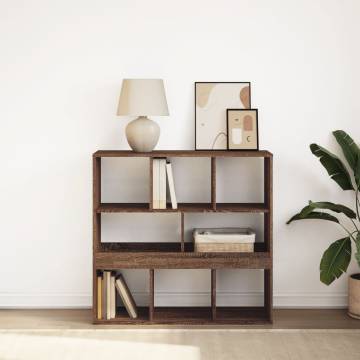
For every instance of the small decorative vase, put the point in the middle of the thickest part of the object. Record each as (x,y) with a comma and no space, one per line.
(354,296)
(142,134)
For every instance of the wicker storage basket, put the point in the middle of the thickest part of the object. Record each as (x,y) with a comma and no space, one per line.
(224,240)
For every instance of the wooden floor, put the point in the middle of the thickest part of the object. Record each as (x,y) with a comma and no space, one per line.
(81,319)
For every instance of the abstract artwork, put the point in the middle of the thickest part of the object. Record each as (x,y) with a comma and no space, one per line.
(211,101)
(242,129)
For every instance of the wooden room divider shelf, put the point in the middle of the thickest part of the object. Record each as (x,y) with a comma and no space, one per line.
(181,255)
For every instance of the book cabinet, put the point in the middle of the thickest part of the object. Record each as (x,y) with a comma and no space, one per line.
(181,255)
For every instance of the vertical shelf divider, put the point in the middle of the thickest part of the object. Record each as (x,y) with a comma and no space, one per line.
(151,294)
(268,225)
(213,294)
(213,182)
(96,225)
(182,230)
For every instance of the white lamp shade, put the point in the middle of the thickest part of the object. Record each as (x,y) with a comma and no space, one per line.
(142,97)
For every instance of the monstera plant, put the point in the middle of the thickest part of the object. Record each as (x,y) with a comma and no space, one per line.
(336,258)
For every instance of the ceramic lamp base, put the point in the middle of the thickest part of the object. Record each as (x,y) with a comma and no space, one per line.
(142,134)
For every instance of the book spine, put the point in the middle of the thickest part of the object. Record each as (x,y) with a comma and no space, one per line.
(162,183)
(170,178)
(126,297)
(99,297)
(155,183)
(108,294)
(103,296)
(112,297)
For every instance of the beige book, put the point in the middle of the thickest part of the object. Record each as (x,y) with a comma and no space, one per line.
(171,184)
(112,297)
(126,296)
(162,183)
(107,276)
(103,296)
(156,198)
(99,297)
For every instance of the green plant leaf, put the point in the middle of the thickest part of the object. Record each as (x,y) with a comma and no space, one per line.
(357,244)
(333,166)
(357,173)
(338,208)
(335,260)
(314,215)
(349,147)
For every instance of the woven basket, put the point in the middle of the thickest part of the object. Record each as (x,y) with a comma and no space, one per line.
(223,247)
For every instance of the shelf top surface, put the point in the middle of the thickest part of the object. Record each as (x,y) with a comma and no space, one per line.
(183,153)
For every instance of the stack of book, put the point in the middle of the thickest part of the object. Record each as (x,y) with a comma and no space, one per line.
(108,283)
(162,174)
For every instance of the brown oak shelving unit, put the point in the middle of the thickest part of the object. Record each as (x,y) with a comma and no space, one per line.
(181,255)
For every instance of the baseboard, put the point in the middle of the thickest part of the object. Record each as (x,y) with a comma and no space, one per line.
(83,301)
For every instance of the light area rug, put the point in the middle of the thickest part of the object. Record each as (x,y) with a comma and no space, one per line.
(184,344)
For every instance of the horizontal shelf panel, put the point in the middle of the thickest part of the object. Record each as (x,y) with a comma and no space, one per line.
(122,317)
(182,153)
(146,246)
(158,247)
(181,260)
(182,315)
(242,315)
(183,207)
(191,316)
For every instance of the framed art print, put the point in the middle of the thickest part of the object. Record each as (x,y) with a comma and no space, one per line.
(242,129)
(211,101)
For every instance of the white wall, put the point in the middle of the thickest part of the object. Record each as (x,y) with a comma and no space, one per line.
(62,63)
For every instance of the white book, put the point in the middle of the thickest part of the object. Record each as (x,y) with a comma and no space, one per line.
(107,276)
(112,297)
(126,296)
(162,184)
(156,197)
(170,179)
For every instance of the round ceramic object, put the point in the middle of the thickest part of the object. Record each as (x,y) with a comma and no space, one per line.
(354,296)
(142,134)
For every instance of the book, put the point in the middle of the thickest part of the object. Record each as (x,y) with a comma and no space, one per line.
(171,184)
(156,198)
(99,296)
(112,296)
(162,184)
(126,296)
(103,296)
(107,291)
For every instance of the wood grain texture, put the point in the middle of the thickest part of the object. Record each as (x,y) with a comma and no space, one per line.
(171,260)
(182,153)
(182,230)
(151,294)
(213,293)
(213,183)
(96,226)
(184,207)
(181,255)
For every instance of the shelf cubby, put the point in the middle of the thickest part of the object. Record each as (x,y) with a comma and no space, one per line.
(180,254)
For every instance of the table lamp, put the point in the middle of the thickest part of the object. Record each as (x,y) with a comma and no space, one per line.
(142,98)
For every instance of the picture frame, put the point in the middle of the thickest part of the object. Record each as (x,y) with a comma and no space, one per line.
(212,98)
(242,129)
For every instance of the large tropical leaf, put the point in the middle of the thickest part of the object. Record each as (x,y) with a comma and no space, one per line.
(338,208)
(357,173)
(314,215)
(333,166)
(357,243)
(335,260)
(350,149)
